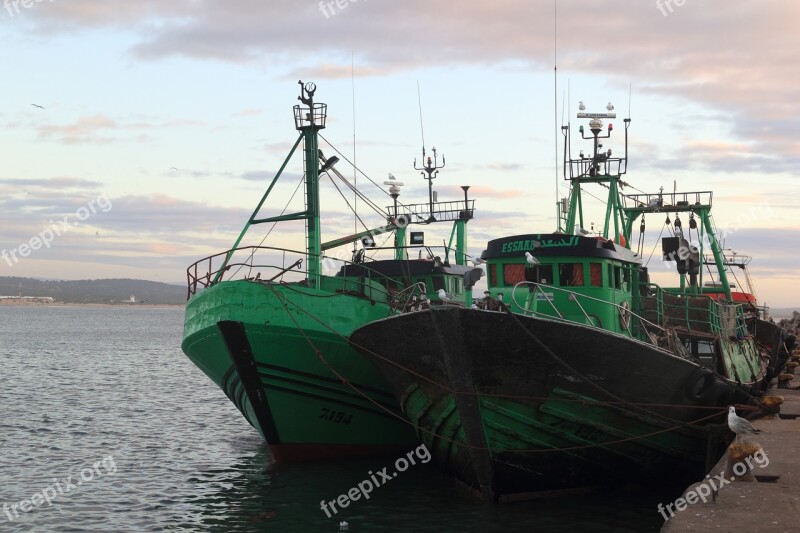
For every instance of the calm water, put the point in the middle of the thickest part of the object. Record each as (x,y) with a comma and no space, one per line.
(105,396)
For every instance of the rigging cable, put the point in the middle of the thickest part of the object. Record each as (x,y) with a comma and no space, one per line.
(358,218)
(359,170)
(655,245)
(253,253)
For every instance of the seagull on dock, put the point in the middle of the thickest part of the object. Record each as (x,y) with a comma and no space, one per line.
(532,261)
(739,425)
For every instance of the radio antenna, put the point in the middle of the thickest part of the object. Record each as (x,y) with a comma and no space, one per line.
(355,167)
(555,91)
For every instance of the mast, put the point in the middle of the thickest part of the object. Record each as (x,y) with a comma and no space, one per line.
(430,170)
(309,120)
(600,167)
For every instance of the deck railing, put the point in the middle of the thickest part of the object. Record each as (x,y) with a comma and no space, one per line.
(693,313)
(249,263)
(637,326)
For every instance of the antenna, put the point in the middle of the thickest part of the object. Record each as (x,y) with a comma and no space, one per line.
(555,92)
(355,168)
(421,129)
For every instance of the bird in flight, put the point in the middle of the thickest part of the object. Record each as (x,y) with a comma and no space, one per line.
(739,425)
(37,105)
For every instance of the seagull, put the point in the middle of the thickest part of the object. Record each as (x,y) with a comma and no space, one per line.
(443,296)
(610,107)
(531,260)
(739,425)
(581,107)
(474,306)
(653,202)
(37,105)
(477,260)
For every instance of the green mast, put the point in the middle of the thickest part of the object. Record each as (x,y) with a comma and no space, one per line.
(309,120)
(599,167)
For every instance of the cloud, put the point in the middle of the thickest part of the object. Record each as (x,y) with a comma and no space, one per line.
(101,129)
(59,183)
(84,130)
(741,73)
(249,112)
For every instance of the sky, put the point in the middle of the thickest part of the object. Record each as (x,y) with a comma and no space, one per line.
(162,122)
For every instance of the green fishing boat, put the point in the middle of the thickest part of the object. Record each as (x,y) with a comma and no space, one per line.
(576,370)
(270,327)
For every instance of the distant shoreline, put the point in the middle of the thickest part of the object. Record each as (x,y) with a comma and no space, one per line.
(67,304)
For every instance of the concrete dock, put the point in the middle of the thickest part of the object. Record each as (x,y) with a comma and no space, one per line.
(770,502)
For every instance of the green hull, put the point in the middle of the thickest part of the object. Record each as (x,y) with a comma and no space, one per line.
(310,413)
(587,407)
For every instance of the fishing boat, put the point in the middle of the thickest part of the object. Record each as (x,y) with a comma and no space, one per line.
(269,325)
(576,370)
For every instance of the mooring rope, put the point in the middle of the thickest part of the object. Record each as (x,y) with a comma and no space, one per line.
(346,382)
(283,301)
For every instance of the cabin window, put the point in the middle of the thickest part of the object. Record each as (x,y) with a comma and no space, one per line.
(390,284)
(703,349)
(513,274)
(571,274)
(493,275)
(618,278)
(540,274)
(455,285)
(438,283)
(596,274)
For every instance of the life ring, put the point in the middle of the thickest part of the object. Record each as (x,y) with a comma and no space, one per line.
(625,315)
(402,221)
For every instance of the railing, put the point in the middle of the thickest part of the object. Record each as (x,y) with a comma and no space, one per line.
(582,168)
(695,313)
(643,328)
(442,211)
(406,300)
(667,201)
(374,285)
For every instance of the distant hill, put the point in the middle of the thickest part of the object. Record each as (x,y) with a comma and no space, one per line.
(99,291)
(783,312)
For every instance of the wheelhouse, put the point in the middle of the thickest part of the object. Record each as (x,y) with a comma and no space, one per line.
(578,278)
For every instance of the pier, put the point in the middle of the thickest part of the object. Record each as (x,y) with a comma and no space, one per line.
(766,497)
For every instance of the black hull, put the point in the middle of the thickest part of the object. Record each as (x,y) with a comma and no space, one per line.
(489,391)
